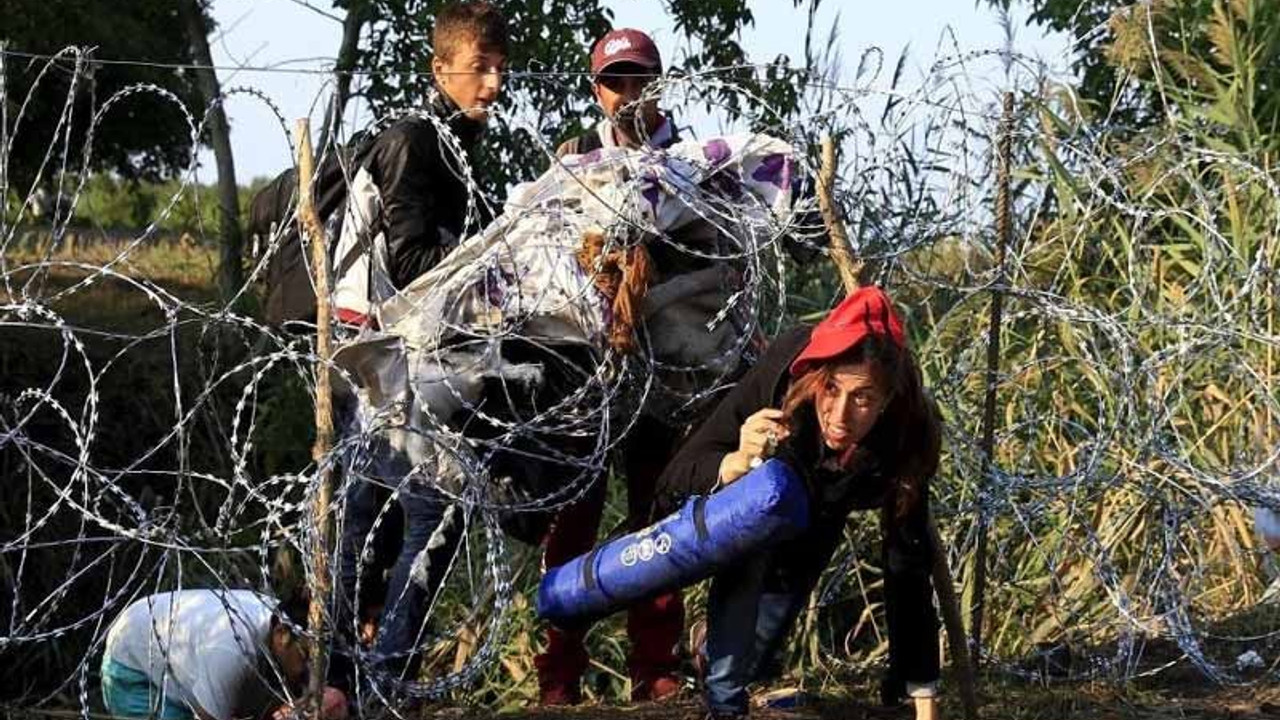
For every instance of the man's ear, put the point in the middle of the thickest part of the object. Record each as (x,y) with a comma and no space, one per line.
(437,68)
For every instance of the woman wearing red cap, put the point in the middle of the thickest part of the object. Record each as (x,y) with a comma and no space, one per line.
(843,404)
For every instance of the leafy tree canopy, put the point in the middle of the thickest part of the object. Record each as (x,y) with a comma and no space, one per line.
(144,138)
(554,36)
(1220,58)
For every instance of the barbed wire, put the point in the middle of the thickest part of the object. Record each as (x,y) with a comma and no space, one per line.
(332,71)
(798,75)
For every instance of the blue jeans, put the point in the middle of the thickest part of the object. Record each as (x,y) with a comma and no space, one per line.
(433,530)
(768,592)
(736,657)
(129,693)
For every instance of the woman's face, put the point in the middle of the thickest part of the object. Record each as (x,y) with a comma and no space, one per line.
(849,404)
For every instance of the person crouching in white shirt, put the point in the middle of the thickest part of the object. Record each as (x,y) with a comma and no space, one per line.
(208,655)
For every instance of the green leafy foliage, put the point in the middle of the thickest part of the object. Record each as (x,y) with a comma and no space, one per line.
(1117,41)
(555,36)
(1170,233)
(144,138)
(113,203)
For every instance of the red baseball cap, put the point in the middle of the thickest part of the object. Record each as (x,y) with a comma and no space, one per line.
(625,45)
(868,311)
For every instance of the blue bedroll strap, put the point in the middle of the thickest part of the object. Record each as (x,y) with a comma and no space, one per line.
(700,517)
(588,569)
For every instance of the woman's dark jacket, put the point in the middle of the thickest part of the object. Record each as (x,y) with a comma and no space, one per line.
(906,551)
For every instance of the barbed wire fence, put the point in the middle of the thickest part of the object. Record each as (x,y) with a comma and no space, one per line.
(1136,410)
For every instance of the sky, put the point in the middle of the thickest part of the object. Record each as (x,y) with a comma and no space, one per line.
(292,35)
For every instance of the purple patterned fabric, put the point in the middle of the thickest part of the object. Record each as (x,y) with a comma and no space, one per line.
(650,193)
(716,152)
(606,309)
(723,184)
(496,280)
(774,169)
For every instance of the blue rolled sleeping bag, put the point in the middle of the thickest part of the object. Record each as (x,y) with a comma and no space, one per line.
(762,508)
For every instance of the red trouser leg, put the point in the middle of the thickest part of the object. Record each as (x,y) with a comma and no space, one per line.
(653,625)
(572,533)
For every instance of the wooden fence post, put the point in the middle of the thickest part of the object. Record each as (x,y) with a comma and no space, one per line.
(4,142)
(1004,222)
(313,231)
(943,583)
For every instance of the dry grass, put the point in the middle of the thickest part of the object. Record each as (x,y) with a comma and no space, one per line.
(178,265)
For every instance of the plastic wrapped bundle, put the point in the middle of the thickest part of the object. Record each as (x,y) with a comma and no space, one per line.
(1267,523)
(766,506)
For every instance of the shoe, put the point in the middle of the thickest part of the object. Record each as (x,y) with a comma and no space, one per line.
(663,687)
(788,698)
(559,694)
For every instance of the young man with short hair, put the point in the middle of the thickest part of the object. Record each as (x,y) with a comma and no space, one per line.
(623,64)
(408,207)
(207,655)
(408,203)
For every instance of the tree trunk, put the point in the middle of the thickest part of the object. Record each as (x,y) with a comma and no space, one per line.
(230,272)
(357,14)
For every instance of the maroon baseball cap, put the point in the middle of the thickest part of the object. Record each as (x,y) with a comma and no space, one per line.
(625,45)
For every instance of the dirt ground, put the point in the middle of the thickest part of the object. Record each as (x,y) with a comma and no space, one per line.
(1191,701)
(1022,701)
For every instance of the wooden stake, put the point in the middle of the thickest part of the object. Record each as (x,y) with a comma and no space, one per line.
(1004,151)
(838,239)
(943,582)
(1273,288)
(311,228)
(4,143)
(953,622)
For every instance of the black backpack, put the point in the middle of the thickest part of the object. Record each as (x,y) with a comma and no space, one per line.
(291,294)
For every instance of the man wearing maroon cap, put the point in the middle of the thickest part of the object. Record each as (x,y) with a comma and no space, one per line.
(623,63)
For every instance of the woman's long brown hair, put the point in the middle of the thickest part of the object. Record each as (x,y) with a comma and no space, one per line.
(907,438)
(623,275)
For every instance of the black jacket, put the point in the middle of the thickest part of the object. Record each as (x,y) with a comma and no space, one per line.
(423,188)
(695,468)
